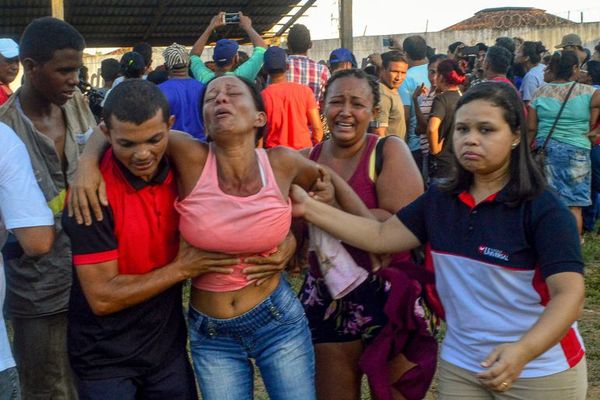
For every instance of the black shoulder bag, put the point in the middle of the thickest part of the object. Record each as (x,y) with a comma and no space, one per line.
(539,154)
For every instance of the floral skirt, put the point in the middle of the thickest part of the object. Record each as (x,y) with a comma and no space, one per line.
(357,316)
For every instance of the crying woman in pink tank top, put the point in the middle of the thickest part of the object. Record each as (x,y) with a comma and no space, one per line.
(234,201)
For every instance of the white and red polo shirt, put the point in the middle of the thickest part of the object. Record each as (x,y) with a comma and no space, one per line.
(490,262)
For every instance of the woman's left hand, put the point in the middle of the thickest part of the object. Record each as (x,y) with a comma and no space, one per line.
(504,365)
(266,267)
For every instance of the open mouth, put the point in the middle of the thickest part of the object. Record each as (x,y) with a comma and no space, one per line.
(344,125)
(143,166)
(222,114)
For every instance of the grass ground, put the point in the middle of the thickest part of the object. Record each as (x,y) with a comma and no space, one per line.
(589,323)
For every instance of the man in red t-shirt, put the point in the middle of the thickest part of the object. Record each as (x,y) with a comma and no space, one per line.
(290,107)
(9,67)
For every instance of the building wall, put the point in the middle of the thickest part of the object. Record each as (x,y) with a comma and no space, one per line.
(365,45)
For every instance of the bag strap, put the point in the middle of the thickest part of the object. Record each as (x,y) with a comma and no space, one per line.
(562,107)
(376,159)
(379,155)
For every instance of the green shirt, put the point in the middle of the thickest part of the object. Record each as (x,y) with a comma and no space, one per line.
(574,123)
(247,70)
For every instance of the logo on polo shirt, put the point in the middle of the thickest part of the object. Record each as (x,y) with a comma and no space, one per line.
(494,253)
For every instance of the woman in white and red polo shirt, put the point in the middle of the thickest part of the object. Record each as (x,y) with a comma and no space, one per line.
(506,255)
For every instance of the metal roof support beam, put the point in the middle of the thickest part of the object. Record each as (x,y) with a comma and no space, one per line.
(300,12)
(58,9)
(346,24)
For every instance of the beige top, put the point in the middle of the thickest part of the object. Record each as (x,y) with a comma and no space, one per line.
(391,112)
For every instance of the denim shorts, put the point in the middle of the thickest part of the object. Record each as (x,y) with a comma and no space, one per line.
(569,173)
(274,334)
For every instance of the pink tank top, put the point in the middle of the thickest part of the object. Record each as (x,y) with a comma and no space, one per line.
(216,221)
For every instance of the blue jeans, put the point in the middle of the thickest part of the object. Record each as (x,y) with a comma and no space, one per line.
(590,213)
(569,173)
(9,384)
(274,333)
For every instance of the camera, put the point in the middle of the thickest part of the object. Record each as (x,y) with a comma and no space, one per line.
(231,18)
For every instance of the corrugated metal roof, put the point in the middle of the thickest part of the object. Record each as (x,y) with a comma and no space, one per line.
(509,17)
(114,23)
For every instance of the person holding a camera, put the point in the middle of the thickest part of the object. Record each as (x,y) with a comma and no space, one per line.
(225,54)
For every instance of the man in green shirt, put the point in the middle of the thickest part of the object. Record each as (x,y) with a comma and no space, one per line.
(226,52)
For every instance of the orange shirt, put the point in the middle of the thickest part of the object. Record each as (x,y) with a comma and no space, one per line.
(288,105)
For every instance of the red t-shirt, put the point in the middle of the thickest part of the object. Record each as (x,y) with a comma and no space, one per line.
(288,105)
(5,93)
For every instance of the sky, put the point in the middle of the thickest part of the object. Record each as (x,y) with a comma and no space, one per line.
(380,17)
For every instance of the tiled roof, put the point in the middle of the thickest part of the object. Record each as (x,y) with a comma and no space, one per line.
(509,17)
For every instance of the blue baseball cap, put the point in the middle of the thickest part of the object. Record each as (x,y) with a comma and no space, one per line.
(9,48)
(225,50)
(342,55)
(275,59)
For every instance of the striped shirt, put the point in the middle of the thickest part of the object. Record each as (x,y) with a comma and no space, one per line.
(425,103)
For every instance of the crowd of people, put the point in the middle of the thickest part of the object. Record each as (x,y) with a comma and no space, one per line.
(416,188)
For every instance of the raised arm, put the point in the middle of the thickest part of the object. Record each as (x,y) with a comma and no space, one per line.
(391,236)
(215,22)
(421,128)
(294,168)
(255,38)
(87,192)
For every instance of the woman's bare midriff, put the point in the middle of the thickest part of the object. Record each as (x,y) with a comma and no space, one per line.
(225,305)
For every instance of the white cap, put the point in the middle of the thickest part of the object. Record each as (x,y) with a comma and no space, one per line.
(9,48)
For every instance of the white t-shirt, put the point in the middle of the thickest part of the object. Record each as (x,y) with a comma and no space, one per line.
(533,80)
(22,205)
